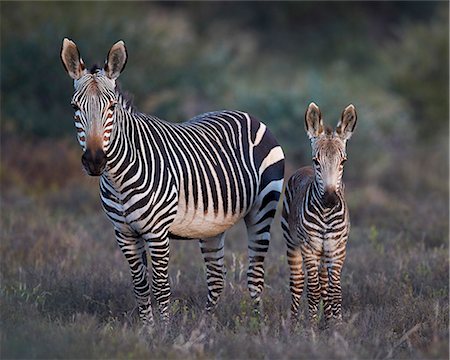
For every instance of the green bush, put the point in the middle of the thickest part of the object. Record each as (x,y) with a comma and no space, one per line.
(417,68)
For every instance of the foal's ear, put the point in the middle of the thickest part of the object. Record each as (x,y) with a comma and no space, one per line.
(116,60)
(313,121)
(346,125)
(71,59)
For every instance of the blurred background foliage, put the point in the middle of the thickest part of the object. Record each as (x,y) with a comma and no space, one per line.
(390,59)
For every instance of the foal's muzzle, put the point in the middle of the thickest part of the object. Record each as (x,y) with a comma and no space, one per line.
(94,161)
(330,199)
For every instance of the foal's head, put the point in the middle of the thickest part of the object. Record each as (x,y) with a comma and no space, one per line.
(329,150)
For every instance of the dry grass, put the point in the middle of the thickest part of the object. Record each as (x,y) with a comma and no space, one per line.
(66,290)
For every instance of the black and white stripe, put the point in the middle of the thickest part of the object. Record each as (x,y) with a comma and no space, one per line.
(315,219)
(193,180)
(190,180)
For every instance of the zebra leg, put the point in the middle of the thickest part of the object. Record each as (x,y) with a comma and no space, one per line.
(335,260)
(294,258)
(324,279)
(134,250)
(335,291)
(212,251)
(295,262)
(159,251)
(312,270)
(258,223)
(258,244)
(296,279)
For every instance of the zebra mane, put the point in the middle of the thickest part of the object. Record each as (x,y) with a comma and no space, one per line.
(125,98)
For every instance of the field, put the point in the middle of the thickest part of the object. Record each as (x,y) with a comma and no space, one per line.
(66,289)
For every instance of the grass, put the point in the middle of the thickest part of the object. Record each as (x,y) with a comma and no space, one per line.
(66,290)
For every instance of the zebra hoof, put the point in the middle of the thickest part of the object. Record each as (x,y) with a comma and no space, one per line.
(165,320)
(335,323)
(146,330)
(208,322)
(210,307)
(295,318)
(314,324)
(294,324)
(257,310)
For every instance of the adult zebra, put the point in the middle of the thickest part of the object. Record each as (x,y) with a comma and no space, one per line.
(191,180)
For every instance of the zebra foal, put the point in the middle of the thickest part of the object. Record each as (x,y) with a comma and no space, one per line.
(315,218)
(161,180)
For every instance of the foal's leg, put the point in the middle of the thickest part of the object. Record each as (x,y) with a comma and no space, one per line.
(324,280)
(312,262)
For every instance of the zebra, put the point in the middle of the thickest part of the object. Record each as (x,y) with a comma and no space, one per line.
(315,218)
(161,180)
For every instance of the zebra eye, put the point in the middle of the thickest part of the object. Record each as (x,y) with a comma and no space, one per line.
(343,161)
(75,106)
(112,107)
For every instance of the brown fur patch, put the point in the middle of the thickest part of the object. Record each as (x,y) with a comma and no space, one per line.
(94,142)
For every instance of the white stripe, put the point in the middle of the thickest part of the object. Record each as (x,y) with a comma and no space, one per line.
(275,155)
(259,134)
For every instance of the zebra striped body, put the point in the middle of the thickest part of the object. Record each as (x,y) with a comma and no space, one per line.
(190,180)
(211,168)
(315,218)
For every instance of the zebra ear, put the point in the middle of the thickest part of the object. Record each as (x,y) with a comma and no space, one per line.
(116,60)
(346,125)
(71,59)
(313,121)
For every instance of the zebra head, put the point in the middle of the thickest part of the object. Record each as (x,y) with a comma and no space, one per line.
(329,150)
(94,101)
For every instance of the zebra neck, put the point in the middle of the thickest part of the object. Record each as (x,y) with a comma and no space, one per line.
(314,199)
(132,153)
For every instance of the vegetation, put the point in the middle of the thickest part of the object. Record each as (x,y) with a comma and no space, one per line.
(65,288)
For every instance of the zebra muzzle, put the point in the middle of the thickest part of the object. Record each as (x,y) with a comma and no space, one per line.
(94,162)
(330,199)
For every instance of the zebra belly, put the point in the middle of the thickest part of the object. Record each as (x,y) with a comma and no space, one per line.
(200,225)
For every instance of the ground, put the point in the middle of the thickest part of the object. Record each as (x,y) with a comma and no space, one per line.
(66,289)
